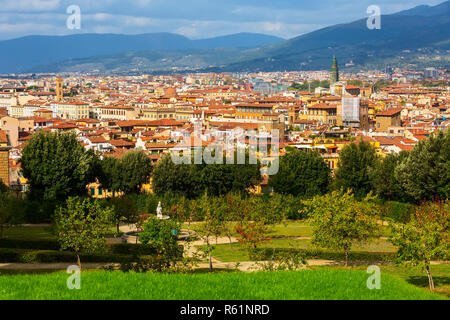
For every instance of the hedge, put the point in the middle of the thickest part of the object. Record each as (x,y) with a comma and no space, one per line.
(114,248)
(52,256)
(116,253)
(30,244)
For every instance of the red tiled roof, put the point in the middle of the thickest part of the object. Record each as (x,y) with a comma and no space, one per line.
(3,138)
(389,112)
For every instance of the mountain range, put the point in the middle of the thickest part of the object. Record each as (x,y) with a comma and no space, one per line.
(414,36)
(26,53)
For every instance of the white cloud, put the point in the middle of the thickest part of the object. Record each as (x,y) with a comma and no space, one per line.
(29,5)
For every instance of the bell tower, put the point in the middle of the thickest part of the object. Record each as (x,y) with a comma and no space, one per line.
(334,74)
(59,89)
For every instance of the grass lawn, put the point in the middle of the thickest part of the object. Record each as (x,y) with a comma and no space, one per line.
(29,233)
(287,229)
(294,285)
(236,252)
(414,276)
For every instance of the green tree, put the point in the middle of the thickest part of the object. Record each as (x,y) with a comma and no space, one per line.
(170,177)
(339,220)
(425,237)
(301,173)
(125,210)
(425,174)
(384,179)
(162,235)
(356,161)
(12,210)
(82,226)
(136,170)
(214,222)
(56,166)
(110,174)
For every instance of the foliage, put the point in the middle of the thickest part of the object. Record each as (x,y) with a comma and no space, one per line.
(384,180)
(56,166)
(127,174)
(302,173)
(170,177)
(356,161)
(339,220)
(425,174)
(11,210)
(193,180)
(136,170)
(82,225)
(425,238)
(163,235)
(124,210)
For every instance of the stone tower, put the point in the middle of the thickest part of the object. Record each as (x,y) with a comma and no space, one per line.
(334,74)
(59,89)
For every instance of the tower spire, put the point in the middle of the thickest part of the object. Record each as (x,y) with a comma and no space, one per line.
(334,74)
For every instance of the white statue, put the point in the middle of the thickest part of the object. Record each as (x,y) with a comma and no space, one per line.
(159,211)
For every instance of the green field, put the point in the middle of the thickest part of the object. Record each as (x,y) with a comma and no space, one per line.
(294,285)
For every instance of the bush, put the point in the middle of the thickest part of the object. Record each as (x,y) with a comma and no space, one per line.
(397,211)
(30,244)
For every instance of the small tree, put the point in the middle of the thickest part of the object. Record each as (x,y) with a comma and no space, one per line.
(339,220)
(82,226)
(214,222)
(163,235)
(425,237)
(125,210)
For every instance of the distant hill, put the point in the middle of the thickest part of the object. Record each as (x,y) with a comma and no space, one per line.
(23,54)
(425,10)
(355,42)
(414,36)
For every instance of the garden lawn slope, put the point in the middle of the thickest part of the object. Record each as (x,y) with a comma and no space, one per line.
(307,284)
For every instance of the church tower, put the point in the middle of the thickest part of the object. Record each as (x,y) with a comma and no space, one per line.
(334,74)
(59,89)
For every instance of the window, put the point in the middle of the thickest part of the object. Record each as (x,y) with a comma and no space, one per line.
(100,191)
(92,191)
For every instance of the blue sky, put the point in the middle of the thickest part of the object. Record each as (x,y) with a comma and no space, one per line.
(192,18)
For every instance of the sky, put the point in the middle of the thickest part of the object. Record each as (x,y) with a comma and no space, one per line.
(195,19)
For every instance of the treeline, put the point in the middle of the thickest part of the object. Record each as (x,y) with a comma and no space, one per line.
(58,167)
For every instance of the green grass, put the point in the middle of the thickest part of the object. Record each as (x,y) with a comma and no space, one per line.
(414,276)
(298,285)
(29,233)
(287,229)
(374,251)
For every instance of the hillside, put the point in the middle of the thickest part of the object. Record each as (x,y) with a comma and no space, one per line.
(418,36)
(26,53)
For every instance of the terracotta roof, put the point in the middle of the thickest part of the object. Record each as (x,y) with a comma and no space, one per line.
(97,139)
(389,112)
(3,138)
(122,143)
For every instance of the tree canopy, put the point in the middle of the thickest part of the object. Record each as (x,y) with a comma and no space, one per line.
(425,173)
(356,161)
(301,173)
(56,166)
